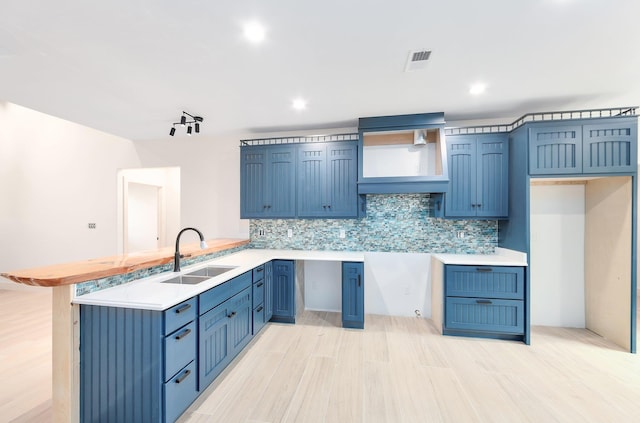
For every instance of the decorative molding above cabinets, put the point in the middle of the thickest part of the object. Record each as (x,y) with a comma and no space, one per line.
(402,154)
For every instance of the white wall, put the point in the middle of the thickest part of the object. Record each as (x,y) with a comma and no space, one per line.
(209,181)
(557,255)
(56,177)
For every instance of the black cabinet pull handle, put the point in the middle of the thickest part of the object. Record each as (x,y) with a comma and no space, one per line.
(484,269)
(184,376)
(261,269)
(479,205)
(258,285)
(473,205)
(259,309)
(183,334)
(359,280)
(484,302)
(233,313)
(183,308)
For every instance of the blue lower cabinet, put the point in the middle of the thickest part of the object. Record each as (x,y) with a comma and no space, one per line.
(485,301)
(127,358)
(181,389)
(352,295)
(258,319)
(268,291)
(241,321)
(284,304)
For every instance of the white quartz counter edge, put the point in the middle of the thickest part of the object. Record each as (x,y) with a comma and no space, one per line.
(502,257)
(152,294)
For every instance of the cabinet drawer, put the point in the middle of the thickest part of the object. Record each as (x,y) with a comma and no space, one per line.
(258,293)
(483,314)
(258,273)
(258,318)
(179,315)
(179,392)
(180,349)
(221,293)
(484,281)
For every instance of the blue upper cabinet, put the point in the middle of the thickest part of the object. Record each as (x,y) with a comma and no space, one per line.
(609,148)
(267,180)
(555,150)
(402,154)
(327,175)
(478,176)
(605,146)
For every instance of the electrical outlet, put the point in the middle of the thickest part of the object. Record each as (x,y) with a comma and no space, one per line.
(260,232)
(92,225)
(343,234)
(289,233)
(460,234)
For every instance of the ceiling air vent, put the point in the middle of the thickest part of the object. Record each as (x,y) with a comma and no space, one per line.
(417,60)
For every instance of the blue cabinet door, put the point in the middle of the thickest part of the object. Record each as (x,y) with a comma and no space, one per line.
(485,315)
(492,189)
(460,200)
(214,348)
(268,291)
(240,329)
(342,174)
(352,295)
(312,180)
(253,182)
(555,150)
(284,305)
(609,147)
(281,182)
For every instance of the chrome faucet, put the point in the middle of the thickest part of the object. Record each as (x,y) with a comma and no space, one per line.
(177,256)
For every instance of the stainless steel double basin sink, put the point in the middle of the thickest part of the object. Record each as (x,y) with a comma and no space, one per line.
(200,275)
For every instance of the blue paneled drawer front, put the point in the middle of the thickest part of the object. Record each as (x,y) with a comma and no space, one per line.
(258,273)
(217,295)
(179,315)
(180,349)
(182,389)
(485,281)
(482,314)
(258,292)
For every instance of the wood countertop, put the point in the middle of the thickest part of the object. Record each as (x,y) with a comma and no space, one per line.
(82,271)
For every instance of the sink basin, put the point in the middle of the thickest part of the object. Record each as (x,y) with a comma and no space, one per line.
(210,271)
(187,279)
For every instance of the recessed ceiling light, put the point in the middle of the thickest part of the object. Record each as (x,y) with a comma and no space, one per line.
(478,88)
(254,32)
(299,103)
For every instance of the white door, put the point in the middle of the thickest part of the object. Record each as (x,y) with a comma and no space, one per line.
(143,208)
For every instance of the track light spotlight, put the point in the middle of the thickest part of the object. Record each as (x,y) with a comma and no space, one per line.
(195,121)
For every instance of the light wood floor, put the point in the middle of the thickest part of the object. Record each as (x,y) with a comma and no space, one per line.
(396,370)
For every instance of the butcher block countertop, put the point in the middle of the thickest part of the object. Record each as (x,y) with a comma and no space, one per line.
(82,271)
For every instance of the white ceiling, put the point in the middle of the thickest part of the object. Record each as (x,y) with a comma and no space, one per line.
(130,67)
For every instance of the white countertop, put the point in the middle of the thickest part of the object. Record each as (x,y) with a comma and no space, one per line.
(151,294)
(502,257)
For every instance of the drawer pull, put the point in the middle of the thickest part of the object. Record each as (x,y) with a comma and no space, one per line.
(359,280)
(184,376)
(183,334)
(183,308)
(258,285)
(484,302)
(484,269)
(261,269)
(259,309)
(233,313)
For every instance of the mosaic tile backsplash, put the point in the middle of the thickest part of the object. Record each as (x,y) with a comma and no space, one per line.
(394,223)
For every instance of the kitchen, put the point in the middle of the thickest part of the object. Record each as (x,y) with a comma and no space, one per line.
(93,195)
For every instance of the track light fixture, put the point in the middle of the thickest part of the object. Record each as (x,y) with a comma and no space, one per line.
(184,122)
